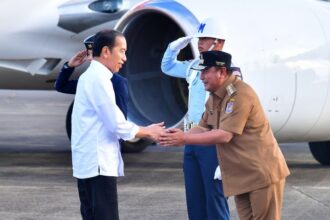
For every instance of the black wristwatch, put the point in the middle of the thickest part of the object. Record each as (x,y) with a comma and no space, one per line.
(66,66)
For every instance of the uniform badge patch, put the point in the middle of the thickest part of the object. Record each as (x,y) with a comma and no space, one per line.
(229,107)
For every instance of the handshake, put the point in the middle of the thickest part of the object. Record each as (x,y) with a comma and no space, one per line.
(165,137)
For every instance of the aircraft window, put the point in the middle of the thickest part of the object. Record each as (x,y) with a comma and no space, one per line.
(107,6)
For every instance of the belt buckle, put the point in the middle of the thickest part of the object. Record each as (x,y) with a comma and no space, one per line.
(191,125)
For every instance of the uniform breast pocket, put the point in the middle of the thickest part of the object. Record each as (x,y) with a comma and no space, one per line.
(212,120)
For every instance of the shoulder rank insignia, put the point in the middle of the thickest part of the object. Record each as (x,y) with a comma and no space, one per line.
(231,89)
(230,106)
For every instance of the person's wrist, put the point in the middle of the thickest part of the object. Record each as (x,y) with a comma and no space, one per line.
(67,65)
(71,65)
(149,133)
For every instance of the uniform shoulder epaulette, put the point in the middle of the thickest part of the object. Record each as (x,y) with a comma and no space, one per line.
(231,90)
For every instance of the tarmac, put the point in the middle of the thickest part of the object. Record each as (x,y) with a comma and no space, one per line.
(36,175)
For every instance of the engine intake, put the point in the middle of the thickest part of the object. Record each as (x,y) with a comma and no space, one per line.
(149,28)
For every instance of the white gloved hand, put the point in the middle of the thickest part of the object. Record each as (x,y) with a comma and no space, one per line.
(180,43)
(236,71)
(217,174)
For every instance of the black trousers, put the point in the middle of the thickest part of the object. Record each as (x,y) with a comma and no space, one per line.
(98,198)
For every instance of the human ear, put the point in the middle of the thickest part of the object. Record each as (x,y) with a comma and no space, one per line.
(105,51)
(219,73)
(222,71)
(219,44)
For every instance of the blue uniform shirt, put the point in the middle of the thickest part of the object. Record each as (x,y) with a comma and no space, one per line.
(197,94)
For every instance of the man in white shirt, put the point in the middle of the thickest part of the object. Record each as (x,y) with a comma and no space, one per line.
(97,124)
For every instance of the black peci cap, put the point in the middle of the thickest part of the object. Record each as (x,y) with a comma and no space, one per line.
(213,58)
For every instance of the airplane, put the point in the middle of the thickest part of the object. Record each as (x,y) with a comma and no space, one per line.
(282,48)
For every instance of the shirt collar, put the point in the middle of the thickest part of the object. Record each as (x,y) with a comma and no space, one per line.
(101,69)
(222,91)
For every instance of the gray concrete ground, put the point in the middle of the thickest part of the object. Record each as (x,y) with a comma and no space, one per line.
(36,178)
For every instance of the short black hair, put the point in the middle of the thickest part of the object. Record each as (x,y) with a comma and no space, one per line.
(104,38)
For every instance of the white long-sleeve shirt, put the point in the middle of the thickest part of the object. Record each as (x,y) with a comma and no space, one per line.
(97,124)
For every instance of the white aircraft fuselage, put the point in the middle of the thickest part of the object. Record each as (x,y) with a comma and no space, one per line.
(282,48)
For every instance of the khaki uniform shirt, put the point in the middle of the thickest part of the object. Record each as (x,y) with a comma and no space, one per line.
(252,159)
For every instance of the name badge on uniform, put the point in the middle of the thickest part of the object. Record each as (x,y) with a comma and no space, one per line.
(229,106)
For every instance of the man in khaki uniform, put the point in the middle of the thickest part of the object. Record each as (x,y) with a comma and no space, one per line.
(252,165)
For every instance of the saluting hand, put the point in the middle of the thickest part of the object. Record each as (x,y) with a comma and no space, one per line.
(78,59)
(180,43)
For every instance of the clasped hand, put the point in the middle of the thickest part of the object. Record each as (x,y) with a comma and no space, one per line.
(172,137)
(155,130)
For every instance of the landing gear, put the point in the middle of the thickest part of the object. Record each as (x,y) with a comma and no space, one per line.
(321,151)
(132,146)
